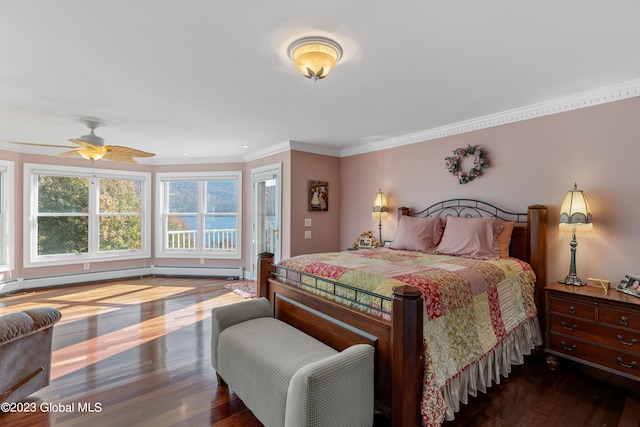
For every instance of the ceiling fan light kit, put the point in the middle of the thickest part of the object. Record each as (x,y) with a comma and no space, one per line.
(315,56)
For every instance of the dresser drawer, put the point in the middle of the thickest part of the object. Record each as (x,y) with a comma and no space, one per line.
(618,316)
(573,308)
(613,359)
(599,333)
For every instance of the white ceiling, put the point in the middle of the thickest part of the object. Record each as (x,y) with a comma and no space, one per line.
(204,77)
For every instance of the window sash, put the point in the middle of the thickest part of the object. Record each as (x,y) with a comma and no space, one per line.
(99,247)
(7,240)
(186,233)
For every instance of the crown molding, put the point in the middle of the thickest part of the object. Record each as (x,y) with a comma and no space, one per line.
(293,145)
(190,160)
(314,149)
(275,149)
(560,105)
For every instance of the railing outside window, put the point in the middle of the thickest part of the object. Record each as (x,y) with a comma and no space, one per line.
(217,239)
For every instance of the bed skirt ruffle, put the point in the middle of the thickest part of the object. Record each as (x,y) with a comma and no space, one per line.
(488,370)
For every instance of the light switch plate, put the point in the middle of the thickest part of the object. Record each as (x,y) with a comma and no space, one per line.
(307,222)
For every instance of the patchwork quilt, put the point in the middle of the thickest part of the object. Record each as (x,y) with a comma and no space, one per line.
(470,305)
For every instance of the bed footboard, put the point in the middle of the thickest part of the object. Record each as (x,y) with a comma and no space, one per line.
(398,343)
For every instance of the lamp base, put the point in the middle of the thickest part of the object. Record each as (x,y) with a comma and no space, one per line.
(573,279)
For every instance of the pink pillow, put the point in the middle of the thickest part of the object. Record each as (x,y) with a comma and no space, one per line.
(418,234)
(471,238)
(504,238)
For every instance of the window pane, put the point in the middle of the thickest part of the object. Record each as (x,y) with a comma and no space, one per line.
(120,196)
(63,194)
(220,233)
(222,196)
(63,235)
(119,233)
(182,232)
(182,196)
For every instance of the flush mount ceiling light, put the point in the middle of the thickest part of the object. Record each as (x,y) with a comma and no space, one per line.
(315,56)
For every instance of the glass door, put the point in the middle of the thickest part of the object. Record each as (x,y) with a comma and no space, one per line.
(266,213)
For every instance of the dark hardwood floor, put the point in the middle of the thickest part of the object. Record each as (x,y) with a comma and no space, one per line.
(136,353)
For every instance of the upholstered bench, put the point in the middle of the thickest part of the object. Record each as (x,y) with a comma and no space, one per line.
(286,377)
(25,351)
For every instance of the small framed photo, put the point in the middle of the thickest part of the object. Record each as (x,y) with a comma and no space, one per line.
(364,242)
(630,285)
(387,243)
(318,196)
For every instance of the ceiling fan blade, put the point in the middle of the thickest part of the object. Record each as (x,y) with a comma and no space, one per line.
(69,153)
(40,145)
(83,143)
(118,157)
(129,151)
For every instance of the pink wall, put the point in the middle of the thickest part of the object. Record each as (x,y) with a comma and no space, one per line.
(532,161)
(325,228)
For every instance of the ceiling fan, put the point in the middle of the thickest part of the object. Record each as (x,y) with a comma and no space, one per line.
(91,146)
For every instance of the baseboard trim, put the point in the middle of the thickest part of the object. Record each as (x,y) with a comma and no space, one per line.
(97,276)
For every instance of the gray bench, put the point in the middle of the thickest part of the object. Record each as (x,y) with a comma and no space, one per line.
(284,376)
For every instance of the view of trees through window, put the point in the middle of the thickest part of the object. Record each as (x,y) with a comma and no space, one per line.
(68,222)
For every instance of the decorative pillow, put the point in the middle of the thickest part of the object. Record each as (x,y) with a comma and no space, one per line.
(418,234)
(471,238)
(504,238)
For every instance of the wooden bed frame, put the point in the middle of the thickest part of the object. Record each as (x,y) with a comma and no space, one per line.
(398,342)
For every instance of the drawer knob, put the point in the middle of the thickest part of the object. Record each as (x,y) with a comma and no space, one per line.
(633,340)
(624,365)
(569,328)
(572,310)
(573,347)
(624,320)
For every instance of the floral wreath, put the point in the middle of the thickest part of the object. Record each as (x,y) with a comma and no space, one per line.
(479,162)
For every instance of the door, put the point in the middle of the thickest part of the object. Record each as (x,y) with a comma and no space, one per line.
(266,204)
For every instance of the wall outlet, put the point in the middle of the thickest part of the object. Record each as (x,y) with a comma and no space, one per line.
(307,234)
(307,222)
(86,266)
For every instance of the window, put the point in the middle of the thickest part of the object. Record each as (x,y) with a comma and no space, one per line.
(6,217)
(199,215)
(77,215)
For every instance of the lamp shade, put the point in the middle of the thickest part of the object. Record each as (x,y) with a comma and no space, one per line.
(575,208)
(380,209)
(315,56)
(575,214)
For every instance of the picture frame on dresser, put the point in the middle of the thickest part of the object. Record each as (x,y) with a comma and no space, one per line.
(365,243)
(630,285)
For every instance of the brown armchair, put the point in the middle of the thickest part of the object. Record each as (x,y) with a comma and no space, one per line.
(25,351)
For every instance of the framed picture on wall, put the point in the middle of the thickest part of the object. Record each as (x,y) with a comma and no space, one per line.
(318,196)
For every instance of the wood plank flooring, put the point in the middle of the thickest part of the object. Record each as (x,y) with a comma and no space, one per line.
(136,353)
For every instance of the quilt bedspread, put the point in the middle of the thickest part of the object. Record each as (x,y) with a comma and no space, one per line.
(471,305)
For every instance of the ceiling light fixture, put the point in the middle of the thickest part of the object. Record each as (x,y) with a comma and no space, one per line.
(315,56)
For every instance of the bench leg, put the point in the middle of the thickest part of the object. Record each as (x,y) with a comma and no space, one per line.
(221,382)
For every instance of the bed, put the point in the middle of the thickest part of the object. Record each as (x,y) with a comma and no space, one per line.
(415,383)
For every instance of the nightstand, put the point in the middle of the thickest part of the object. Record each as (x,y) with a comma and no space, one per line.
(597,328)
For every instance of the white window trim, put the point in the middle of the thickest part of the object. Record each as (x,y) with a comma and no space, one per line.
(161,179)
(32,259)
(7,250)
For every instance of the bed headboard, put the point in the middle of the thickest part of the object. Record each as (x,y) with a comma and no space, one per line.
(528,240)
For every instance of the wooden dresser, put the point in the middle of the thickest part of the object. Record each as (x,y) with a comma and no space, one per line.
(599,329)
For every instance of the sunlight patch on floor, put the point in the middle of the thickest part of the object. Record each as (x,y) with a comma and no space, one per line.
(79,356)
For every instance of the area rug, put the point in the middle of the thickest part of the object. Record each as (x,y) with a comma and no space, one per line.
(244,288)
